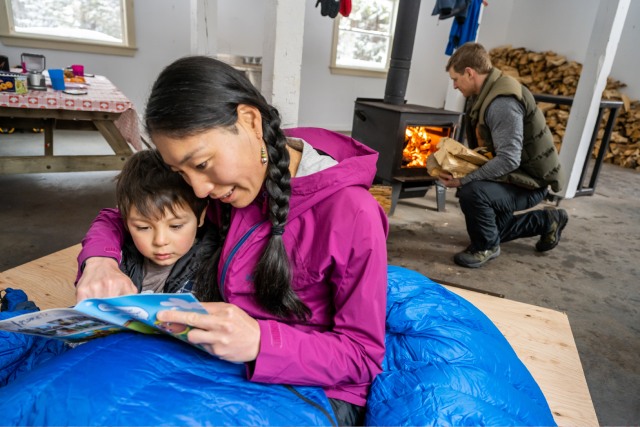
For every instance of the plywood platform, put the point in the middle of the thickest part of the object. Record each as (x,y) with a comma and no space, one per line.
(541,337)
(48,281)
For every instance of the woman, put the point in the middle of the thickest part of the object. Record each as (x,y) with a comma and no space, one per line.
(302,275)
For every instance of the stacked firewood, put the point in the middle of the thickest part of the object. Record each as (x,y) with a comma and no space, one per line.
(553,74)
(382,193)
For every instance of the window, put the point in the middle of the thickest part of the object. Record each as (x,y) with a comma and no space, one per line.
(362,42)
(97,26)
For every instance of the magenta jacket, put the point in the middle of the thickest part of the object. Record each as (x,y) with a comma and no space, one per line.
(336,240)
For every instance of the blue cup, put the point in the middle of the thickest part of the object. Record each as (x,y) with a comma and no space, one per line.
(57,79)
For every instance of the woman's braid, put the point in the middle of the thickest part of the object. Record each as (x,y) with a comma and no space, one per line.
(273,272)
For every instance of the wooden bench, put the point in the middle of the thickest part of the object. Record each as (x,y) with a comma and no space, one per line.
(541,337)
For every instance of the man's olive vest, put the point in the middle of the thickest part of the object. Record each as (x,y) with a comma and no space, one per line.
(539,162)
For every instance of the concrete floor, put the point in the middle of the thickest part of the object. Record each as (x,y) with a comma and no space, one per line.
(592,275)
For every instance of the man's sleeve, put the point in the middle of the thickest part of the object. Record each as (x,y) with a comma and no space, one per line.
(505,119)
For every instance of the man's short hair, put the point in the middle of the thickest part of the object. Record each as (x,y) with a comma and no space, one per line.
(472,55)
(150,186)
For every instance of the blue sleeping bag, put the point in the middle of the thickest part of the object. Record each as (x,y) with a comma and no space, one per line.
(20,353)
(446,364)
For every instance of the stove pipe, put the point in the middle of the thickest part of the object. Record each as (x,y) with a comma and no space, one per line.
(401,51)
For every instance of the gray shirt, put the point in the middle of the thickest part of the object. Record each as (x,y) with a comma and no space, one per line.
(155,276)
(311,161)
(505,119)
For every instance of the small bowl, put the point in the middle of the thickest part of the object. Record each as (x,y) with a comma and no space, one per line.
(252,60)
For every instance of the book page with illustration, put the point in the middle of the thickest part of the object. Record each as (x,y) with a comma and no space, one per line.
(96,317)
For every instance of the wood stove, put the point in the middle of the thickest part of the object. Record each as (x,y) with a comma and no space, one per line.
(403,134)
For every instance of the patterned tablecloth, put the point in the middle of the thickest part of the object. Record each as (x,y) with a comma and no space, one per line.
(102,96)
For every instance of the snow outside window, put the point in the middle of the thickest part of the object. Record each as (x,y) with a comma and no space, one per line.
(99,26)
(362,42)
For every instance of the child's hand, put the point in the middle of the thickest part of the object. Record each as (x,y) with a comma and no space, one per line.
(101,278)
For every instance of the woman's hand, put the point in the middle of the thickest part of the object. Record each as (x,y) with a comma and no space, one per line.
(101,278)
(226,331)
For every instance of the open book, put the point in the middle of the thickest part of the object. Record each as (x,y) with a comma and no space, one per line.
(97,317)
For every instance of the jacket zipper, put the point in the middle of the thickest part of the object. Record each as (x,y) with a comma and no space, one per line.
(233,252)
(222,277)
(316,405)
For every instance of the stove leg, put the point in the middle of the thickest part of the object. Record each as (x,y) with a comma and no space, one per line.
(441,195)
(396,188)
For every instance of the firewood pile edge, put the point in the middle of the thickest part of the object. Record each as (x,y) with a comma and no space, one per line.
(382,193)
(553,74)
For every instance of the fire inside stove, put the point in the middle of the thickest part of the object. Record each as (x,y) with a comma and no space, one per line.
(420,142)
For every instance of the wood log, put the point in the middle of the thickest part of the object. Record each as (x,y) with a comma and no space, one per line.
(382,193)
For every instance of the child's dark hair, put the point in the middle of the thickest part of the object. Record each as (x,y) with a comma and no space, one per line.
(148,184)
(198,93)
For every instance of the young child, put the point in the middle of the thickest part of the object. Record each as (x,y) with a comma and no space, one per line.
(169,242)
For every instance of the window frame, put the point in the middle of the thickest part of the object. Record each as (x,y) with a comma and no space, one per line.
(361,71)
(9,37)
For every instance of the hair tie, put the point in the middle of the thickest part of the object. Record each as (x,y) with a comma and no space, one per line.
(277,230)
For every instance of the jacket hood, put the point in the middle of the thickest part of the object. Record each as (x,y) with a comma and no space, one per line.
(356,167)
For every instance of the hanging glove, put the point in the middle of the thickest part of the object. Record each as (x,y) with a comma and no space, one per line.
(345,7)
(329,8)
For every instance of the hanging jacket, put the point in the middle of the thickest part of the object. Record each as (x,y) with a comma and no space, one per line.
(539,161)
(335,237)
(182,275)
(465,30)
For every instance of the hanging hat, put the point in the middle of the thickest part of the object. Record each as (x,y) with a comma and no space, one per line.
(345,7)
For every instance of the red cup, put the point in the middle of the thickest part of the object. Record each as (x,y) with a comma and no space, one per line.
(78,70)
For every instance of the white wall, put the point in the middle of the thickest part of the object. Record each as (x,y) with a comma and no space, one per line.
(240,27)
(494,23)
(560,26)
(163,31)
(163,35)
(327,99)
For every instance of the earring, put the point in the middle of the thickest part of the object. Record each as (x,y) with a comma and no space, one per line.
(263,155)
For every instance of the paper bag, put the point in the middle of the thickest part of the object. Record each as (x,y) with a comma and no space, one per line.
(454,158)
